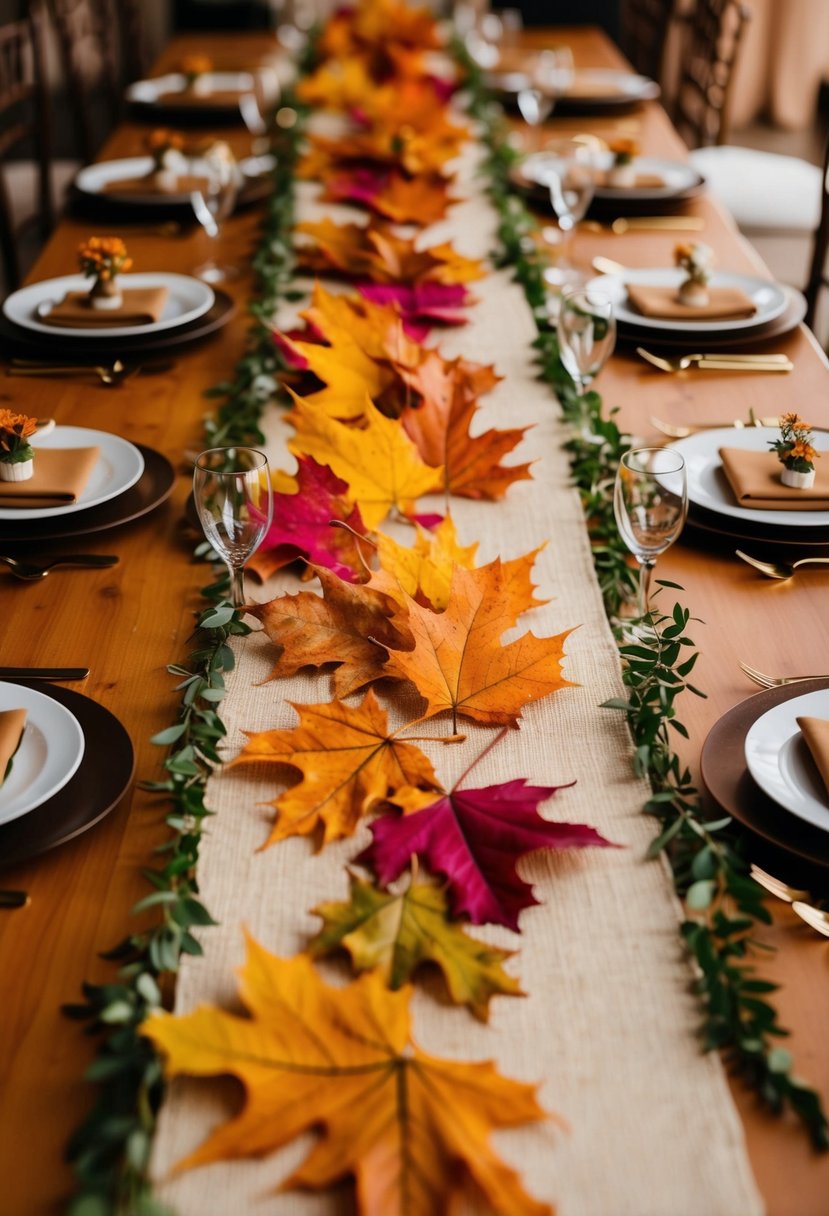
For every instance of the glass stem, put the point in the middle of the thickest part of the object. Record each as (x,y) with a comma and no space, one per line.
(237,586)
(646,568)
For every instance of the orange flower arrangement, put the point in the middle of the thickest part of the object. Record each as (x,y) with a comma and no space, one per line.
(103,257)
(15,430)
(161,140)
(794,447)
(194,66)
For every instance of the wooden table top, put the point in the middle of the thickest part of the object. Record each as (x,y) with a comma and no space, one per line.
(129,622)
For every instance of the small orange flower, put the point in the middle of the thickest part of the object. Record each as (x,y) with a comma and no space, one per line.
(15,430)
(624,149)
(196,65)
(103,257)
(803,450)
(161,139)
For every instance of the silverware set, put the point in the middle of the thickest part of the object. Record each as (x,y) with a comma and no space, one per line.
(109,374)
(718,361)
(682,432)
(812,914)
(767,681)
(32,572)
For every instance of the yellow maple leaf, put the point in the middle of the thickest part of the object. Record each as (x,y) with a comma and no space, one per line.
(379,462)
(340,1061)
(426,566)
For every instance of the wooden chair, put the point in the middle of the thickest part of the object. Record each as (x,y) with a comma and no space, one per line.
(711,42)
(644,28)
(87,43)
(818,275)
(26,207)
(132,42)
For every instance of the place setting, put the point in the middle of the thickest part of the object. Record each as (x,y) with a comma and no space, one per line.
(582,91)
(198,93)
(691,303)
(65,763)
(61,481)
(105,311)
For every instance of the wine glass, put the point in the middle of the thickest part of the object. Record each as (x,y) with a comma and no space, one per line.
(234,501)
(549,75)
(214,203)
(258,107)
(650,502)
(586,330)
(569,172)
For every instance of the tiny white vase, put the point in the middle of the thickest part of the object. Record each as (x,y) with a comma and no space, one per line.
(621,175)
(695,295)
(105,295)
(797,481)
(19,470)
(165,180)
(200,87)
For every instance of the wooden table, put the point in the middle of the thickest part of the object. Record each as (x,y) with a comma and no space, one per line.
(129,622)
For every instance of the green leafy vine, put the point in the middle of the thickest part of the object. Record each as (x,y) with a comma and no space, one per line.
(110,1151)
(710,871)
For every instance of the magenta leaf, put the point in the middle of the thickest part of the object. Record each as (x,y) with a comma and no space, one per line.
(423,305)
(474,838)
(302,521)
(360,186)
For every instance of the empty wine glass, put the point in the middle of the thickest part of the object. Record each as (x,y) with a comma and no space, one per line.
(215,202)
(586,337)
(549,75)
(650,502)
(234,501)
(258,107)
(569,171)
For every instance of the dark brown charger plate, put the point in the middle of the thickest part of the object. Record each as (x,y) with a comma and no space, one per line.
(205,114)
(730,785)
(153,487)
(103,777)
(708,526)
(19,341)
(789,318)
(615,205)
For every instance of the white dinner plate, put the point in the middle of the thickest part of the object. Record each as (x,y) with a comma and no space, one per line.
(94,178)
(50,751)
(591,87)
(151,92)
(119,466)
(769,300)
(187,299)
(708,486)
(779,760)
(677,177)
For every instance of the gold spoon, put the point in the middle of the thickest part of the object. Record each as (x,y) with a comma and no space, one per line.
(781,570)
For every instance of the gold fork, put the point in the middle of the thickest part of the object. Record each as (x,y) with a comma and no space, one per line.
(765,681)
(717,361)
(780,570)
(682,432)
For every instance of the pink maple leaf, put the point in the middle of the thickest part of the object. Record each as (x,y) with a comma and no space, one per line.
(474,838)
(302,524)
(422,305)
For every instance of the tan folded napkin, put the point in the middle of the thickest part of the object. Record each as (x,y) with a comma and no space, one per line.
(755,479)
(184,184)
(60,477)
(220,97)
(141,306)
(593,88)
(725,302)
(816,733)
(642,181)
(12,723)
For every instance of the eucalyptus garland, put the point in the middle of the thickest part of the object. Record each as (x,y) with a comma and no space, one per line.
(110,1151)
(709,868)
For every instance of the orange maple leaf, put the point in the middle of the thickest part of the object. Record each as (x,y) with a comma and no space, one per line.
(420,200)
(340,1061)
(350,625)
(458,662)
(376,253)
(349,763)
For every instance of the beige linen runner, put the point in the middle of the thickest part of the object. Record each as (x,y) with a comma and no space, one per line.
(608,1024)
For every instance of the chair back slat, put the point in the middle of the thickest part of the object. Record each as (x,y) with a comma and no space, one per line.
(85,31)
(712,38)
(644,28)
(818,273)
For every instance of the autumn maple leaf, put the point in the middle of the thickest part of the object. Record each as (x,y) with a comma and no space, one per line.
(302,526)
(378,462)
(348,761)
(397,933)
(475,838)
(351,625)
(458,662)
(424,570)
(377,254)
(340,1061)
(421,200)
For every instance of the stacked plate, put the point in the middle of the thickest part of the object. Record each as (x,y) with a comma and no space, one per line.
(713,508)
(127,481)
(661,183)
(592,91)
(168,97)
(192,309)
(756,766)
(93,186)
(778,309)
(74,764)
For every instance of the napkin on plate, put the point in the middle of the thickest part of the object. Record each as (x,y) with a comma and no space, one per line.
(12,724)
(184,183)
(59,478)
(141,306)
(755,479)
(725,302)
(642,181)
(816,733)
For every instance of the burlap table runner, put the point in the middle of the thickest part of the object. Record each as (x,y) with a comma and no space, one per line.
(608,1025)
